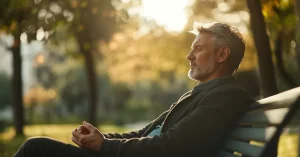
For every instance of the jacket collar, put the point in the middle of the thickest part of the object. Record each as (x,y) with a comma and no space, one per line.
(213,83)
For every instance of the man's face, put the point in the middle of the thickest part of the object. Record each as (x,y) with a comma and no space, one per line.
(202,58)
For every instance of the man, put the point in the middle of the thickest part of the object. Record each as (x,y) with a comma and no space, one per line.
(196,125)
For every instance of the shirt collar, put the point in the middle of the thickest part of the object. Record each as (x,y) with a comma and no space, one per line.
(213,83)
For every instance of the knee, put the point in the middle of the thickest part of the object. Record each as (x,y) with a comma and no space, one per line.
(35,141)
(30,147)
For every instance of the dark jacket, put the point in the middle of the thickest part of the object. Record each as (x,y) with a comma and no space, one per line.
(196,125)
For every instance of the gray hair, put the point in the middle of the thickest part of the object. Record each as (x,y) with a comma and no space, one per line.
(224,35)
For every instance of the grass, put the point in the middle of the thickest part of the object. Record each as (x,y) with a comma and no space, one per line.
(9,145)
(288,144)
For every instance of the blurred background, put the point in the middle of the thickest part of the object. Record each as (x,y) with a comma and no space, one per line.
(120,63)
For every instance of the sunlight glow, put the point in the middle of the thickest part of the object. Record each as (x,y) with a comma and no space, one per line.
(23,37)
(222,6)
(168,13)
(40,34)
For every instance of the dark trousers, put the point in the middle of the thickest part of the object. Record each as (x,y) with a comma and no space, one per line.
(48,147)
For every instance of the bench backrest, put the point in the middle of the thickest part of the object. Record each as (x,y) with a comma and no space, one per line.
(259,129)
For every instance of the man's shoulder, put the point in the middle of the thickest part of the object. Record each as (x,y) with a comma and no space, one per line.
(233,90)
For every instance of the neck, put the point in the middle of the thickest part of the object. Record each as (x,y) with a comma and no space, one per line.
(219,72)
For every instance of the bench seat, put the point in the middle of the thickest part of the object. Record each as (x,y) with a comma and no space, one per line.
(258,131)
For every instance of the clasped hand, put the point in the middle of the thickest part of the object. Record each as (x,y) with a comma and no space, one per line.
(87,136)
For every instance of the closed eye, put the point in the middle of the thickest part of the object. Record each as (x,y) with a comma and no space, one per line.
(197,47)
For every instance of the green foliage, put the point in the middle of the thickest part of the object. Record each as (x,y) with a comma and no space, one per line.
(5,92)
(70,80)
(281,23)
(143,101)
(73,90)
(279,15)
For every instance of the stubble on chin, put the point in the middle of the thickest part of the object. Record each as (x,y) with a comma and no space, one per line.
(191,75)
(196,73)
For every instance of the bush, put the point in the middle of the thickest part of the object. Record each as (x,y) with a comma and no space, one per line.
(5,93)
(3,125)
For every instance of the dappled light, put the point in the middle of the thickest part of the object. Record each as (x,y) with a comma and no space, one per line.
(118,64)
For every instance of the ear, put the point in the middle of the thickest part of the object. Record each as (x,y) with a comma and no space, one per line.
(223,54)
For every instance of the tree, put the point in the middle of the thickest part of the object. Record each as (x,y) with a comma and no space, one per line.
(23,17)
(264,53)
(281,24)
(90,22)
(12,15)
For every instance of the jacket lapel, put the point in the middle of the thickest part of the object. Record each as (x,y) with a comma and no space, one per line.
(179,110)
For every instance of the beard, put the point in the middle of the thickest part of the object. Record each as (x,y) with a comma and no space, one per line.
(198,73)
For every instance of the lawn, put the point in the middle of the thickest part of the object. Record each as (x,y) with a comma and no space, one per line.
(9,145)
(288,144)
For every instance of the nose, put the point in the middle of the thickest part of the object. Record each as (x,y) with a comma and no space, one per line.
(190,56)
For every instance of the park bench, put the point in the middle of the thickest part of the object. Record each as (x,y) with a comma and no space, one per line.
(259,130)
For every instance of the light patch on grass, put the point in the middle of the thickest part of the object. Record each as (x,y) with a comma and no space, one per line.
(9,145)
(62,131)
(288,145)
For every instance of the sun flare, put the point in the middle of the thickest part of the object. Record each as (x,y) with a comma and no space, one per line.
(168,13)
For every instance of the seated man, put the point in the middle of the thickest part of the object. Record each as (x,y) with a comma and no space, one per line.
(196,125)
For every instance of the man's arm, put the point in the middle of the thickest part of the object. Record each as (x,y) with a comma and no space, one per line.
(212,118)
(139,133)
(135,134)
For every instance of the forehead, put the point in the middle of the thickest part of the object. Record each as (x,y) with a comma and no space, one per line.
(202,39)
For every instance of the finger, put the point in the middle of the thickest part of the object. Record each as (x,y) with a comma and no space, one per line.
(76,141)
(75,130)
(89,126)
(77,135)
(84,130)
(80,129)
(82,138)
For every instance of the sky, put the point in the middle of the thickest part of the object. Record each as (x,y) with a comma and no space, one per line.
(173,14)
(168,13)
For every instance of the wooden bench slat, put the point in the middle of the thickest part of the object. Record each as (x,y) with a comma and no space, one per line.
(287,96)
(225,154)
(281,100)
(263,123)
(269,117)
(243,148)
(253,134)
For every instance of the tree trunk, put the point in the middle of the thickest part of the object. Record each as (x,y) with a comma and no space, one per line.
(17,93)
(261,40)
(84,41)
(279,62)
(92,86)
(297,32)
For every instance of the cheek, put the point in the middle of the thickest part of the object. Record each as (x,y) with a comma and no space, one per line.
(201,59)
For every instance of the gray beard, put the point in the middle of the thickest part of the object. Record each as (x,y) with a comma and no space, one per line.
(202,72)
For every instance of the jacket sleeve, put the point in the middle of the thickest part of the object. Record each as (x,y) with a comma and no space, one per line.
(212,117)
(134,134)
(128,135)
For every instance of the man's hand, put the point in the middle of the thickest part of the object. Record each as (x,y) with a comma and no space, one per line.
(87,136)
(82,130)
